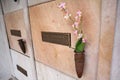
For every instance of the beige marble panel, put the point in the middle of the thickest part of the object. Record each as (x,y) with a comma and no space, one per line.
(106,38)
(15,21)
(48,17)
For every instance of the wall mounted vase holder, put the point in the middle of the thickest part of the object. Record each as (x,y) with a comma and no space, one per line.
(79,63)
(22,45)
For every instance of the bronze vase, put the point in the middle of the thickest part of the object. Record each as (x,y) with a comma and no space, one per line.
(79,63)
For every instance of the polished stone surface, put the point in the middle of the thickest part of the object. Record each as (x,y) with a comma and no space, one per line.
(115,71)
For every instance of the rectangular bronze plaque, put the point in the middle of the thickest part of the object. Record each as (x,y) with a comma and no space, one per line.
(22,70)
(57,38)
(16,33)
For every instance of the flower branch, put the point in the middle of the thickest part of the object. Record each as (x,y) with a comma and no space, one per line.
(77,26)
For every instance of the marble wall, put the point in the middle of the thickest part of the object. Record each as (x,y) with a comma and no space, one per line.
(115,71)
(97,67)
(17,12)
(6,68)
(108,17)
(48,17)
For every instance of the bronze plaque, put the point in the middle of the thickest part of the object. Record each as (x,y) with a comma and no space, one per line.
(22,70)
(16,33)
(57,38)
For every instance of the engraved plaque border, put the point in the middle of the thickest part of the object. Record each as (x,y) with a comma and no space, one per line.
(57,38)
(16,33)
(22,70)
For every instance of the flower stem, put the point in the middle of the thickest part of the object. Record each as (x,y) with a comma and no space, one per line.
(75,28)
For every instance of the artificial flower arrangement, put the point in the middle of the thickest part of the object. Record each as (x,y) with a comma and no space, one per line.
(77,26)
(80,44)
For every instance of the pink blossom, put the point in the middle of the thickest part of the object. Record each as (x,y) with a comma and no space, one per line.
(75,24)
(75,32)
(84,40)
(79,13)
(77,18)
(62,5)
(67,15)
(80,35)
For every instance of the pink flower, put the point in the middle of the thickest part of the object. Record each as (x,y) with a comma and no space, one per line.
(62,5)
(77,18)
(84,40)
(67,15)
(75,24)
(79,13)
(75,32)
(80,35)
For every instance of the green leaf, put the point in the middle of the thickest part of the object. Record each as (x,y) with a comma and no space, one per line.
(78,42)
(79,46)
